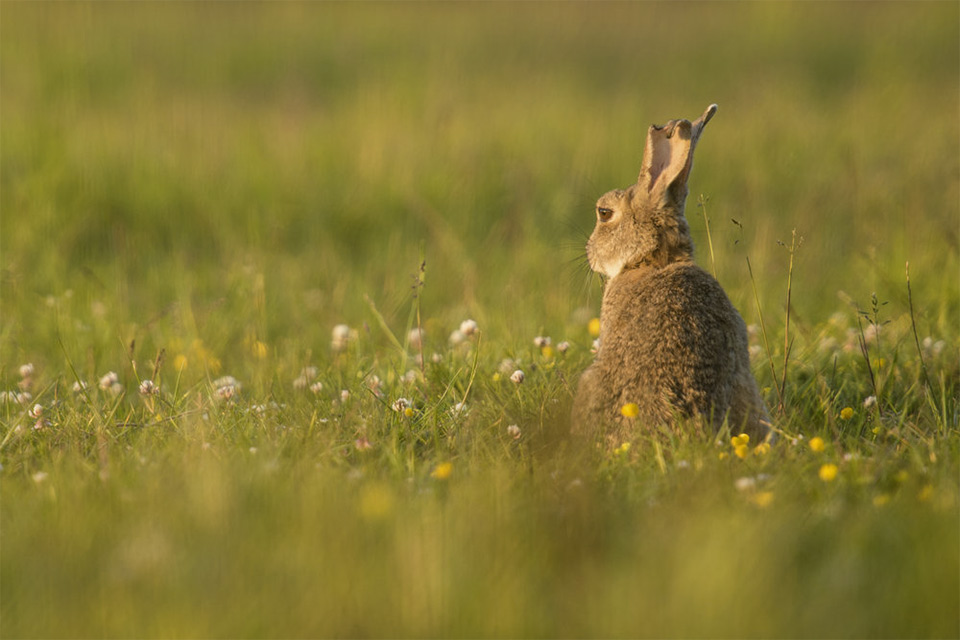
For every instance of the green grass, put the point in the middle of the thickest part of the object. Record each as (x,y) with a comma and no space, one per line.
(191,191)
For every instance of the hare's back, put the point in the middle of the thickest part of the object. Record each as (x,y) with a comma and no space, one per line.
(676,319)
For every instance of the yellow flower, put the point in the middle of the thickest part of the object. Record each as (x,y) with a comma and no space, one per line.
(828,472)
(762,498)
(925,493)
(180,362)
(723,455)
(442,471)
(594,327)
(881,499)
(761,449)
(817,445)
(902,475)
(846,413)
(630,410)
(741,451)
(622,449)
(376,502)
(547,352)
(740,440)
(408,412)
(259,349)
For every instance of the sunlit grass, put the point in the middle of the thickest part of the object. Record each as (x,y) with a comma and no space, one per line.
(293,311)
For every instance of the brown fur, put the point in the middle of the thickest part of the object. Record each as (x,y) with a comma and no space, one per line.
(670,340)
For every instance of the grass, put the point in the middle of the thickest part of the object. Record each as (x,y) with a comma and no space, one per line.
(195,191)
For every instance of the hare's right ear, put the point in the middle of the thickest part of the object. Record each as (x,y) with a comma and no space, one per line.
(668,159)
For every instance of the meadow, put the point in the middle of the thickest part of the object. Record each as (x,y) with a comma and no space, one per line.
(267,272)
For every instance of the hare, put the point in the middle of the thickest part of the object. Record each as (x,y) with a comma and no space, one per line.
(671,342)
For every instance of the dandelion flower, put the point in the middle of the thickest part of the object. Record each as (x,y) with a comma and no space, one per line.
(828,472)
(846,413)
(817,445)
(594,327)
(442,471)
(630,410)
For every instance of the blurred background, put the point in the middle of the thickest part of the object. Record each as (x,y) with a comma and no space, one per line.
(163,156)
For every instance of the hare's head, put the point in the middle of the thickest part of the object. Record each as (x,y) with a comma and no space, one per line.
(644,223)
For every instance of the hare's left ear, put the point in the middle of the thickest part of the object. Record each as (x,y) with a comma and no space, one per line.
(668,158)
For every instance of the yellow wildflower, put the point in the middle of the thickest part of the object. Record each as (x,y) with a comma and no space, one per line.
(925,493)
(622,449)
(828,472)
(741,451)
(762,498)
(594,327)
(817,445)
(761,449)
(630,410)
(259,349)
(442,471)
(902,475)
(881,499)
(846,413)
(547,352)
(376,502)
(408,412)
(180,362)
(740,440)
(723,455)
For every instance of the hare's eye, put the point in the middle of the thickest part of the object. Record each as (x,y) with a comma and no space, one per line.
(604,214)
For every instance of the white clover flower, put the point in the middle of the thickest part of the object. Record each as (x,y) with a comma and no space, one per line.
(563,347)
(829,343)
(309,372)
(401,404)
(456,337)
(752,330)
(300,383)
(23,398)
(79,386)
(116,389)
(344,395)
(468,327)
(595,347)
(373,383)
(410,376)
(745,484)
(316,387)
(514,432)
(415,337)
(227,387)
(755,350)
(459,409)
(26,370)
(507,366)
(108,380)
(39,476)
(340,337)
(148,388)
(36,412)
(517,377)
(869,401)
(436,358)
(541,341)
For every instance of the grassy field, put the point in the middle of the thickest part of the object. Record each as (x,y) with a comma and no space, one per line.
(243,212)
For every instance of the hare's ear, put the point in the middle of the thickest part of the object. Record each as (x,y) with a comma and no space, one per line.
(668,158)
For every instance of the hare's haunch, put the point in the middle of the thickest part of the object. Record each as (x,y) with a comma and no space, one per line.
(671,342)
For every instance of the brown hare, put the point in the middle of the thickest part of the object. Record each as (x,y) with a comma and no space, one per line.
(671,342)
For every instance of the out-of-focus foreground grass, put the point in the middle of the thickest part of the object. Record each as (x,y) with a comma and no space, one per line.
(225,183)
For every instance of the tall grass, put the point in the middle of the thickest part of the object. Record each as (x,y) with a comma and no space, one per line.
(193,191)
